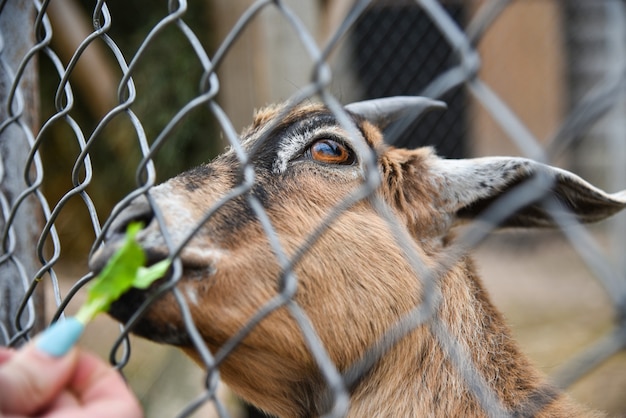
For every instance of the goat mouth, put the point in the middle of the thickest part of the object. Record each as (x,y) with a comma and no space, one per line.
(123,309)
(145,302)
(128,304)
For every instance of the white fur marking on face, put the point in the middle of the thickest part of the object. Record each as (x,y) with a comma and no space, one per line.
(181,220)
(291,146)
(201,256)
(176,207)
(192,295)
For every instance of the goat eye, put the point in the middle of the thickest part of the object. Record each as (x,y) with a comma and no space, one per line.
(330,152)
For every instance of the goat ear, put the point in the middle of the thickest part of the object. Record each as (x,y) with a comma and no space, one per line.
(469,186)
(382,112)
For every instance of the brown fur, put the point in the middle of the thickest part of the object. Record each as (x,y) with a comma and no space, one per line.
(354,284)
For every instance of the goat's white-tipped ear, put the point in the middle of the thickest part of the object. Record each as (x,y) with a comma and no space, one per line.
(467,187)
(382,112)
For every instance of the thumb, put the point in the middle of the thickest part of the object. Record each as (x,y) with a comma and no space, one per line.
(31,379)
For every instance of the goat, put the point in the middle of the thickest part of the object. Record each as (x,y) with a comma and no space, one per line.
(355,281)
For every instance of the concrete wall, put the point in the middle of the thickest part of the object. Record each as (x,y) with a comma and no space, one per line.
(267,63)
(523,61)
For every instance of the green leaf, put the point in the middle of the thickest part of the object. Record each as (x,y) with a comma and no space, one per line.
(147,275)
(124,270)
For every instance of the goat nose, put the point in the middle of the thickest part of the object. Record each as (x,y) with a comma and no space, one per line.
(139,210)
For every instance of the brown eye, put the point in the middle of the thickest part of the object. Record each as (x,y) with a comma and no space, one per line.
(331,152)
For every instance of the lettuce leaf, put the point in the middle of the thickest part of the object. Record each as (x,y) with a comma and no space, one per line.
(124,270)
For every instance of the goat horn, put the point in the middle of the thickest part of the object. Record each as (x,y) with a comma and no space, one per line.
(384,111)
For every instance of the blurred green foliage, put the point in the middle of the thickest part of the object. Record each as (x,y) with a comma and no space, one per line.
(166,77)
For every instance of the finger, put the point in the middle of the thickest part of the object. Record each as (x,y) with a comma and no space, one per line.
(6,354)
(65,401)
(30,380)
(100,391)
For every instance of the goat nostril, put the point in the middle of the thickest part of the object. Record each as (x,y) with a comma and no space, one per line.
(139,210)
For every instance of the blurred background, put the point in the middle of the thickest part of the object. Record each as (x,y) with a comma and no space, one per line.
(556,65)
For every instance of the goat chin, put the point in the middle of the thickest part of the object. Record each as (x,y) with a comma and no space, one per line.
(365,271)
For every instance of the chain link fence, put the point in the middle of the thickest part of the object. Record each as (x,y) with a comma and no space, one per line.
(80,117)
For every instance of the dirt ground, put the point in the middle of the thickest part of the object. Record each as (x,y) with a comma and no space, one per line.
(556,308)
(553,303)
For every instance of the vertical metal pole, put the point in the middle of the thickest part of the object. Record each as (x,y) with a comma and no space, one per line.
(615,125)
(18,115)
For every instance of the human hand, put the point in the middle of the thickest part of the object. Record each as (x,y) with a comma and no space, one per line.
(34,383)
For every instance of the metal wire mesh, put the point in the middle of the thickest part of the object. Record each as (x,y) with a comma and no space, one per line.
(462,72)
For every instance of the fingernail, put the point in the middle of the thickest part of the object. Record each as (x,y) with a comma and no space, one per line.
(60,337)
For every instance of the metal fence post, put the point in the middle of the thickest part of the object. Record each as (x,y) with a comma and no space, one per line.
(18,114)
(616,127)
